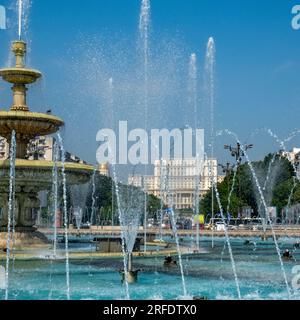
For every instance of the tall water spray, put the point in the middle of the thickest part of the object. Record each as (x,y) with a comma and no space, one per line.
(111,102)
(55,195)
(120,213)
(169,198)
(79,195)
(192,87)
(23,8)
(92,217)
(11,207)
(268,219)
(144,28)
(20,10)
(65,209)
(193,101)
(233,265)
(210,61)
(162,189)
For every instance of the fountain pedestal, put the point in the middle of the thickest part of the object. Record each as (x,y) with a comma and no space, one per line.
(131,276)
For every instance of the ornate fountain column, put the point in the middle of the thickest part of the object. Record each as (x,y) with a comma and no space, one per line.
(20,76)
(30,176)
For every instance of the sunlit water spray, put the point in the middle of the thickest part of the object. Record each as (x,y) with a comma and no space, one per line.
(55,196)
(11,207)
(111,104)
(78,214)
(162,183)
(174,227)
(193,94)
(20,10)
(193,101)
(283,147)
(266,210)
(268,185)
(92,217)
(23,9)
(65,209)
(169,197)
(210,61)
(120,214)
(233,265)
(144,28)
(79,195)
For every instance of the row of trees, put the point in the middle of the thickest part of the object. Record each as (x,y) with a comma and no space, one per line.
(277,179)
(98,198)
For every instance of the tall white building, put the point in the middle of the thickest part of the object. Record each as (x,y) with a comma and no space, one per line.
(179,179)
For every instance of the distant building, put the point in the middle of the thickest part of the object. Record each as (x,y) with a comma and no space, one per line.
(104,169)
(178,178)
(40,148)
(293,155)
(148,183)
(73,158)
(3,149)
(221,178)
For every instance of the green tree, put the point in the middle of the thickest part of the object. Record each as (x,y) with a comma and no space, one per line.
(276,189)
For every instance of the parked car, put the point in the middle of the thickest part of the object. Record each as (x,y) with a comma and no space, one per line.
(220,226)
(86,225)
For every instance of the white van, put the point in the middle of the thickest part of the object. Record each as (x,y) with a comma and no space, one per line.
(220,226)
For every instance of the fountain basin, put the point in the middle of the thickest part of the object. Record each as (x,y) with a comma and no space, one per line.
(31,177)
(26,123)
(20,75)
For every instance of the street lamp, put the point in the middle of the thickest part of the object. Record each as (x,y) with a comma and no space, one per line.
(237,152)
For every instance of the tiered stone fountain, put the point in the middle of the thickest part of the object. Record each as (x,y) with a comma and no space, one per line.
(31,176)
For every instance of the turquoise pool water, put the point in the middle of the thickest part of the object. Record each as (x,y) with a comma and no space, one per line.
(207,274)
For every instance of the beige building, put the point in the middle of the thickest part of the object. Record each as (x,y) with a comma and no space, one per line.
(104,169)
(179,179)
(293,155)
(3,149)
(40,148)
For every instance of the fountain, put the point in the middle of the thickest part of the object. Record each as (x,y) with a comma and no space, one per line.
(131,204)
(74,270)
(31,176)
(144,26)
(210,83)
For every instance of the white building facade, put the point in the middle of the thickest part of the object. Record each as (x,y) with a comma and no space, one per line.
(177,180)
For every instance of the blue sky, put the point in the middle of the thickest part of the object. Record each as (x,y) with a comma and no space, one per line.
(257,80)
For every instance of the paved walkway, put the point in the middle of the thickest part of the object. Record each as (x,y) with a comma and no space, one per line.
(288,231)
